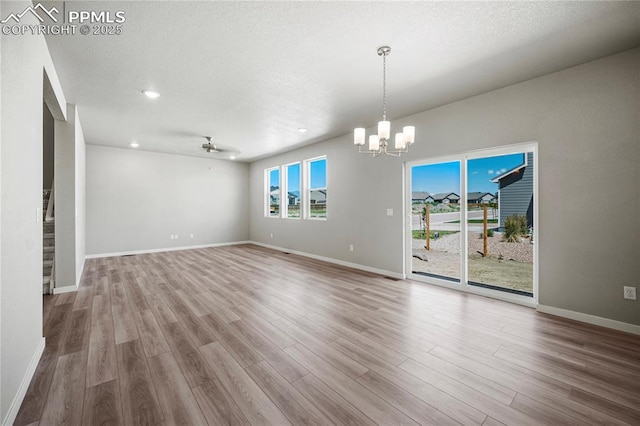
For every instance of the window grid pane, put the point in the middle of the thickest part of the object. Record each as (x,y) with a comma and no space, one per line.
(274,193)
(317,194)
(293,191)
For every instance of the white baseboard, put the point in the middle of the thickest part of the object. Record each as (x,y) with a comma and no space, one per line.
(590,319)
(334,261)
(160,250)
(24,385)
(65,289)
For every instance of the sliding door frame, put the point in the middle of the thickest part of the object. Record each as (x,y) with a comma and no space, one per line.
(463,285)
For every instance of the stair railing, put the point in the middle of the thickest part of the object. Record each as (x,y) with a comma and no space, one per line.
(52,277)
(49,216)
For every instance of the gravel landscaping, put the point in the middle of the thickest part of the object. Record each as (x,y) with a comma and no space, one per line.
(514,270)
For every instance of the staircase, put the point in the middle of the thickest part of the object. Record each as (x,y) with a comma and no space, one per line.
(48,243)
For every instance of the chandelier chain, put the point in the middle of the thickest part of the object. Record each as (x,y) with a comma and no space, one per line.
(384,87)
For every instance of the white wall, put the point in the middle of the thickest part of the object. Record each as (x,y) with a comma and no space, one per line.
(136,199)
(80,199)
(586,120)
(69,165)
(23,60)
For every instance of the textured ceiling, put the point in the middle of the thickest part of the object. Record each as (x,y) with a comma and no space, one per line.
(251,73)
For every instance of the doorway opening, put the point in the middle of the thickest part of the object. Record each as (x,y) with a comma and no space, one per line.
(473,222)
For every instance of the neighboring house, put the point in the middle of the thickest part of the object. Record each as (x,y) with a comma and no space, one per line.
(294,199)
(419,197)
(274,195)
(318,196)
(446,198)
(480,198)
(515,193)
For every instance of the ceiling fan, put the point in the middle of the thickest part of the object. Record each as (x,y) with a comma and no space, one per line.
(212,148)
(209,146)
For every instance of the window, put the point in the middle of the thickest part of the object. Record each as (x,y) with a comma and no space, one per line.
(291,204)
(316,191)
(297,190)
(272,192)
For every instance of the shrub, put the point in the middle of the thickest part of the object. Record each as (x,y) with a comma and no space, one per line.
(515,226)
(489,234)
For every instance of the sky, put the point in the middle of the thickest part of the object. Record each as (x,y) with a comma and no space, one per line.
(318,171)
(445,177)
(293,178)
(318,174)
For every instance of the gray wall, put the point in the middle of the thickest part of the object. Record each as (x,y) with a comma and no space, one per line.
(23,61)
(516,193)
(136,199)
(585,120)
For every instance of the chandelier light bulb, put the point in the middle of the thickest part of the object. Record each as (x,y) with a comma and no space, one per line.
(409,134)
(359,136)
(400,143)
(374,143)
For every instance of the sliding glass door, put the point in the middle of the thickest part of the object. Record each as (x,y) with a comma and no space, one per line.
(472,221)
(435,220)
(500,248)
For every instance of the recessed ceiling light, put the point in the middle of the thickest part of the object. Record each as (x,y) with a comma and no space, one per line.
(233,157)
(134,144)
(151,94)
(302,129)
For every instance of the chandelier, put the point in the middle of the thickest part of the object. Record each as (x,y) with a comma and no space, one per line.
(379,144)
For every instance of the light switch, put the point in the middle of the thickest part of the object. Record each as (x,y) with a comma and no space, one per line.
(389,212)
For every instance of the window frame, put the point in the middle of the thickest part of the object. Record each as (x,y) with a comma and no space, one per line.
(284,188)
(267,192)
(307,188)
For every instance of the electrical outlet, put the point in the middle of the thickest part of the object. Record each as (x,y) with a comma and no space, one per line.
(389,212)
(171,236)
(350,247)
(271,235)
(630,293)
(191,235)
(176,236)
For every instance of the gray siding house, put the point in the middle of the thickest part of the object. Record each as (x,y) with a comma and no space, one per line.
(515,193)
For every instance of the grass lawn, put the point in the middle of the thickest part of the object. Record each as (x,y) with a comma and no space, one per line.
(419,234)
(506,273)
(475,221)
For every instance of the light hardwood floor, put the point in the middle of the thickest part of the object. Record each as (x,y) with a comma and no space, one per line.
(246,335)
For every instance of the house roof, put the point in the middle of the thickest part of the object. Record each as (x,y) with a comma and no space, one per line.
(318,194)
(508,172)
(476,195)
(443,195)
(419,195)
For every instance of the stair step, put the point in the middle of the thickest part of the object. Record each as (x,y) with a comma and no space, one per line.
(48,235)
(47,263)
(48,249)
